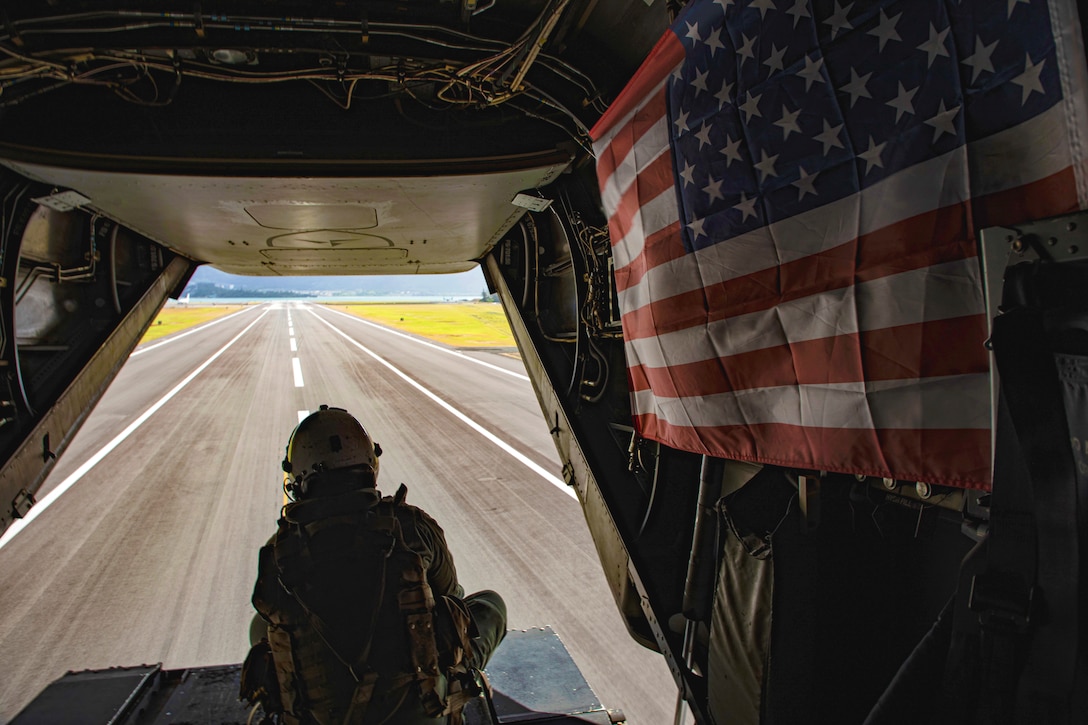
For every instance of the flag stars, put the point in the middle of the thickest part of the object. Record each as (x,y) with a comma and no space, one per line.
(714,42)
(1029,80)
(856,87)
(766,166)
(688,174)
(788,122)
(806,184)
(885,29)
(699,83)
(775,59)
(763,6)
(731,151)
(980,60)
(935,46)
(1014,3)
(829,137)
(751,107)
(704,136)
(840,19)
(944,121)
(725,94)
(799,10)
(903,103)
(693,33)
(812,72)
(696,227)
(681,122)
(747,49)
(746,207)
(871,155)
(713,190)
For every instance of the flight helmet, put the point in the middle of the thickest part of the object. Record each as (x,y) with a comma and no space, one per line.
(329,440)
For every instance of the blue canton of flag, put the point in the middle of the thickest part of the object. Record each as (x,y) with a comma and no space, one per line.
(775,113)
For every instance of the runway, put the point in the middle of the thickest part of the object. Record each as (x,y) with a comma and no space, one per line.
(146,551)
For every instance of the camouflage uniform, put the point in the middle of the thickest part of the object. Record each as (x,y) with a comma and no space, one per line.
(317,674)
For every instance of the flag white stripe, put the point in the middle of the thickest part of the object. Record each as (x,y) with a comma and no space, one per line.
(937,403)
(604,141)
(875,305)
(997,163)
(656,214)
(644,152)
(1069,43)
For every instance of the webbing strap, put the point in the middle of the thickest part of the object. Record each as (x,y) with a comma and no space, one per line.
(360,698)
(1031,386)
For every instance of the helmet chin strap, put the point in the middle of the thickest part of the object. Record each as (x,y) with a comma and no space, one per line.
(327,483)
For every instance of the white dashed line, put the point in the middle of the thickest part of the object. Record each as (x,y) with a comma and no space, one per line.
(303,414)
(298,372)
(91,462)
(294,345)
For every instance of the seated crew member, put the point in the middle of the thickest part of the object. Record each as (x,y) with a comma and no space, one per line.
(359,608)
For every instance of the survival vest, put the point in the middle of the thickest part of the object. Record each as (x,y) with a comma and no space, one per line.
(355,631)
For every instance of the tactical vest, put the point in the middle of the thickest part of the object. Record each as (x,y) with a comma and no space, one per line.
(355,631)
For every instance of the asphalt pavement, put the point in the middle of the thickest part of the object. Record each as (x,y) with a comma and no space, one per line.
(143,545)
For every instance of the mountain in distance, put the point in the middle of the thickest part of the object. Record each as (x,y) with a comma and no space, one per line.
(210,282)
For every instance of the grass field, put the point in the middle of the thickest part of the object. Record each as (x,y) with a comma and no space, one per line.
(461,324)
(175,319)
(464,324)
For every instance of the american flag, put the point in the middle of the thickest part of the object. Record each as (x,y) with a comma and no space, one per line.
(794,189)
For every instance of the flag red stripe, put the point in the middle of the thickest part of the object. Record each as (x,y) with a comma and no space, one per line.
(654,180)
(912,455)
(887,251)
(626,138)
(930,349)
(665,56)
(1055,194)
(668,239)
(661,246)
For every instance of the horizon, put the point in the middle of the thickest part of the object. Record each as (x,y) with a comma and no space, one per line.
(461,284)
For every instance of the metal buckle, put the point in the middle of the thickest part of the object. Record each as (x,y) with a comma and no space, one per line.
(1002,601)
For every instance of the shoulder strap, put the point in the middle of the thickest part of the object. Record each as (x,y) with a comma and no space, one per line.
(296,550)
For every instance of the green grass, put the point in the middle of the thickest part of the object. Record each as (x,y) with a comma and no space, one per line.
(175,319)
(461,324)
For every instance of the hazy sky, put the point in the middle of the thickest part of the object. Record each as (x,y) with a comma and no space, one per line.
(464,283)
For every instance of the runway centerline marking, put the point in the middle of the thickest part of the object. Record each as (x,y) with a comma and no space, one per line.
(297,367)
(431,345)
(19,524)
(205,326)
(506,447)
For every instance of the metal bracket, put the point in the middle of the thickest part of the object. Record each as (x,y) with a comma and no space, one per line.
(1060,239)
(22,503)
(63,201)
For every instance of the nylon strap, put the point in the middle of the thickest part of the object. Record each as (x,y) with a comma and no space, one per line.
(1032,389)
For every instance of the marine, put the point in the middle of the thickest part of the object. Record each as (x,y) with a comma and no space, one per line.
(360,616)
